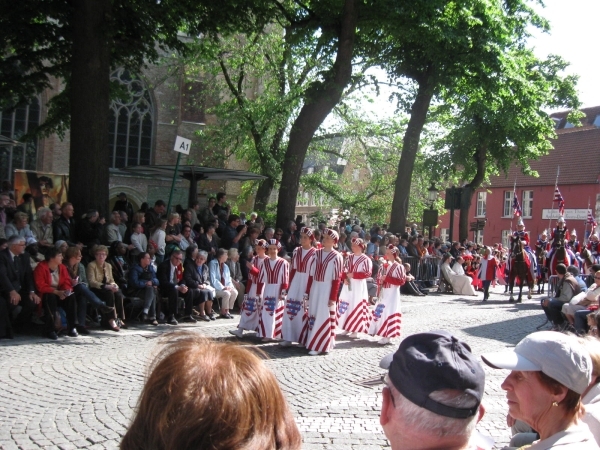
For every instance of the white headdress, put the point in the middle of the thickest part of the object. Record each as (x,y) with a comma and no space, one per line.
(520,223)
(561,219)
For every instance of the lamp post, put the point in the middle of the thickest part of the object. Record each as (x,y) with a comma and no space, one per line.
(430,217)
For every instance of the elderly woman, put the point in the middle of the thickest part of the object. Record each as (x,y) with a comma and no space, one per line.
(549,373)
(583,300)
(196,277)
(461,284)
(19,227)
(220,279)
(102,283)
(235,271)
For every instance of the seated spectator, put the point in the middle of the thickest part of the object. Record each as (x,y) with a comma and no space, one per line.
(172,285)
(566,288)
(217,376)
(580,281)
(19,227)
(143,283)
(157,239)
(186,238)
(64,227)
(90,229)
(581,303)
(237,277)
(34,254)
(248,240)
(27,206)
(231,236)
(290,239)
(220,279)
(206,214)
(112,233)
(461,284)
(102,283)
(122,204)
(204,271)
(342,246)
(549,373)
(56,212)
(424,407)
(411,248)
(120,265)
(268,234)
(53,285)
(139,241)
(17,290)
(196,282)
(123,224)
(373,246)
(42,229)
(208,242)
(172,233)
(83,295)
(411,286)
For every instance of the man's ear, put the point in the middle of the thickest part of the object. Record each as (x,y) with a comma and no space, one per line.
(481,412)
(386,404)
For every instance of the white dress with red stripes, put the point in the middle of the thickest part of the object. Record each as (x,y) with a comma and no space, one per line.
(295,319)
(272,279)
(251,305)
(353,308)
(325,280)
(387,315)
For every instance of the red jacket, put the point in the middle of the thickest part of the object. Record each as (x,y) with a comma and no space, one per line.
(43,280)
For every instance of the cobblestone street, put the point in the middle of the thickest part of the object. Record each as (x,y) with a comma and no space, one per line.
(80,392)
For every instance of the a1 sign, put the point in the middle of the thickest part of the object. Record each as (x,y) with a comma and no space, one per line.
(182,145)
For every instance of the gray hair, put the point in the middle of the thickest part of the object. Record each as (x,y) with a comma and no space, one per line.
(354,234)
(43,211)
(232,251)
(270,230)
(16,239)
(427,422)
(202,253)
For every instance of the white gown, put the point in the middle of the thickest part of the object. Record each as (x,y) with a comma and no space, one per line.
(461,284)
(325,273)
(251,306)
(353,308)
(295,319)
(387,316)
(272,279)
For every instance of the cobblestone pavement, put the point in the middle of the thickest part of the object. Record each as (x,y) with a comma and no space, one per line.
(80,392)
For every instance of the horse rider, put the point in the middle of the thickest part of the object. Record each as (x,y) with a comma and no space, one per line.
(594,246)
(560,236)
(573,243)
(542,243)
(523,235)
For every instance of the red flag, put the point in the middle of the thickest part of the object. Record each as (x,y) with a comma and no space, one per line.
(590,219)
(561,202)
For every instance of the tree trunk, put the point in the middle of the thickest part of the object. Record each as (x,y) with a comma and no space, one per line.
(410,147)
(319,100)
(263,194)
(89,98)
(480,158)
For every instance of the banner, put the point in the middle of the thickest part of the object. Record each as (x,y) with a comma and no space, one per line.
(46,188)
(573,214)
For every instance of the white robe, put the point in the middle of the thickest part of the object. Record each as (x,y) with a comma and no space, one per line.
(273,278)
(251,306)
(387,316)
(295,319)
(353,308)
(461,284)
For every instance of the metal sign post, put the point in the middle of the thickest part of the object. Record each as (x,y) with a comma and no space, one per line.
(182,145)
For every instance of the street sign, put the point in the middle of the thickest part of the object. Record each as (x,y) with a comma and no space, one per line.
(452,200)
(182,145)
(430,218)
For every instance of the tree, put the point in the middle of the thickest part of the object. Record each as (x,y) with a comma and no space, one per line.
(78,42)
(501,122)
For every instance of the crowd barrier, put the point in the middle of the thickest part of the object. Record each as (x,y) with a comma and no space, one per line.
(424,269)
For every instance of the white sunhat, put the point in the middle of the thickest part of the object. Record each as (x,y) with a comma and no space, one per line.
(558,355)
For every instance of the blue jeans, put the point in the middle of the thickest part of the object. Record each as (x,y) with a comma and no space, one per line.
(581,325)
(553,311)
(84,295)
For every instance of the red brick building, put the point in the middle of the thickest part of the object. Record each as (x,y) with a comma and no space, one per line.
(577,153)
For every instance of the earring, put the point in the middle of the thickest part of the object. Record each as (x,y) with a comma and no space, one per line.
(554,404)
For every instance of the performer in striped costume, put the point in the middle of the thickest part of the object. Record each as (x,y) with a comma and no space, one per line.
(387,315)
(353,308)
(272,287)
(295,317)
(323,285)
(251,305)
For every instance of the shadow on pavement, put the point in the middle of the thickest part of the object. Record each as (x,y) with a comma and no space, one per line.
(509,331)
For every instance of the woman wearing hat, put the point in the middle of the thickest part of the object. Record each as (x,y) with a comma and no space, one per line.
(272,287)
(352,307)
(549,373)
(461,284)
(295,319)
(323,285)
(387,316)
(251,305)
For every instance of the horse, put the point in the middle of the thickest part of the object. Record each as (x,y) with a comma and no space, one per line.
(560,255)
(519,267)
(542,270)
(588,260)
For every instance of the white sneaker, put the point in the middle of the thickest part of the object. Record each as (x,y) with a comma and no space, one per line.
(353,335)
(343,332)
(314,353)
(238,332)
(285,343)
(383,341)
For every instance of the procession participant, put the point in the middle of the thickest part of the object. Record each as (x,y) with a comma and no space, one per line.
(487,271)
(272,287)
(294,319)
(560,235)
(251,306)
(573,243)
(524,236)
(352,307)
(543,243)
(593,246)
(387,316)
(322,287)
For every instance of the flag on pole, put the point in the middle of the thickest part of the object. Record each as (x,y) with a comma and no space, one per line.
(561,202)
(590,219)
(516,207)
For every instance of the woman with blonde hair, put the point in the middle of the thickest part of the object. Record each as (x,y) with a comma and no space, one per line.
(102,283)
(205,394)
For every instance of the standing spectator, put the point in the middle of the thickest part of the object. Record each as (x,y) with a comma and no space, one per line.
(6,212)
(248,240)
(139,241)
(235,271)
(112,232)
(172,286)
(56,212)
(42,229)
(19,227)
(64,227)
(195,211)
(220,279)
(172,233)
(122,204)
(221,205)
(206,214)
(143,283)
(152,215)
(290,238)
(18,298)
(91,229)
(231,235)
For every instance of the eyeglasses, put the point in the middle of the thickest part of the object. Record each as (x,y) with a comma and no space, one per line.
(178,258)
(384,380)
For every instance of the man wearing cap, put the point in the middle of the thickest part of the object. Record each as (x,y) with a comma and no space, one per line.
(432,398)
(549,373)
(122,204)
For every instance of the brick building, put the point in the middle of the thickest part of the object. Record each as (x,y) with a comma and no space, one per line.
(577,153)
